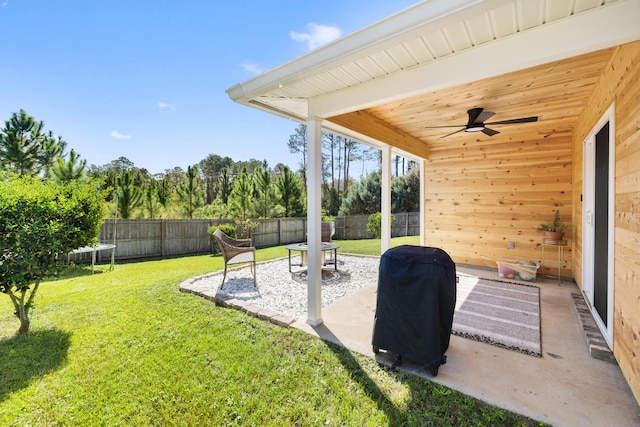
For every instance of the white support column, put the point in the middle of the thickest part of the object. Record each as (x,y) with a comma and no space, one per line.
(385,209)
(423,217)
(314,205)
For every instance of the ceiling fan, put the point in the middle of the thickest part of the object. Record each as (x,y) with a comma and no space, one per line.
(476,123)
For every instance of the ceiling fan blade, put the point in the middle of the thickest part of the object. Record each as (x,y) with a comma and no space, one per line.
(449,134)
(474,113)
(489,132)
(437,127)
(512,121)
(484,116)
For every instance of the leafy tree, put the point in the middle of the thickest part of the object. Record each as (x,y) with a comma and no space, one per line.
(250,165)
(365,197)
(42,221)
(277,169)
(290,189)
(121,164)
(25,149)
(174,176)
(129,194)
(211,167)
(190,192)
(73,168)
(405,192)
(107,176)
(241,195)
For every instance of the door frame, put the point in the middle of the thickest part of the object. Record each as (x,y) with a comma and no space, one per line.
(588,191)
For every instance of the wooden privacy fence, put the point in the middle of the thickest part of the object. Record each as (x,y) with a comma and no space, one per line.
(160,238)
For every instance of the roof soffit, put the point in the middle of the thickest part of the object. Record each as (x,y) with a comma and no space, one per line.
(605,27)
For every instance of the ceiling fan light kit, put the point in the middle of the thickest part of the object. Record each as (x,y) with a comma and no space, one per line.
(476,122)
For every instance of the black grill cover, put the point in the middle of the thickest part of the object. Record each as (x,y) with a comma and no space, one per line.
(415,304)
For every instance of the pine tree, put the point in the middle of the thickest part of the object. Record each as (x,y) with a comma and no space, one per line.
(150,200)
(72,168)
(191,192)
(164,191)
(241,194)
(264,191)
(24,147)
(129,195)
(290,189)
(225,185)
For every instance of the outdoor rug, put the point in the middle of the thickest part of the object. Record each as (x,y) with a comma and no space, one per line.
(499,313)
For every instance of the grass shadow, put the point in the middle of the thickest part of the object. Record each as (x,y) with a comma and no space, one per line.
(358,374)
(429,403)
(27,357)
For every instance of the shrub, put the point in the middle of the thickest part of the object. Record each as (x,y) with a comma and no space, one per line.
(228,229)
(374,225)
(41,222)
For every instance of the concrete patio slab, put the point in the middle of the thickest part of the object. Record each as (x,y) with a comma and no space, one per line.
(564,387)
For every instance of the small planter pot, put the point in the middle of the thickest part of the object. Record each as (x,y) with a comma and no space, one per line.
(554,235)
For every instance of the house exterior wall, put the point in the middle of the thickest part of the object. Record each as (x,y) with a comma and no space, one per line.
(495,191)
(619,83)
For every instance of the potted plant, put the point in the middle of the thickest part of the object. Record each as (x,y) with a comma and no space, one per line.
(328,226)
(555,229)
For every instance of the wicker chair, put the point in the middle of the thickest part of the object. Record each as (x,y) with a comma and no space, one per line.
(236,251)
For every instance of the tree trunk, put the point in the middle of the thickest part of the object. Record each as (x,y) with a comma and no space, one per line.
(24,325)
(22,307)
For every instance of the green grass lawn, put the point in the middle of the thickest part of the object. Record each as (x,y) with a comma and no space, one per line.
(128,348)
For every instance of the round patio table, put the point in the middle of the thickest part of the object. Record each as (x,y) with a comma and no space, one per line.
(303,248)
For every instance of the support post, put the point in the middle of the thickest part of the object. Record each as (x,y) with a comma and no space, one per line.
(385,209)
(423,170)
(314,205)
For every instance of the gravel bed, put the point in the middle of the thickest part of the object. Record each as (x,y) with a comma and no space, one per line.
(286,292)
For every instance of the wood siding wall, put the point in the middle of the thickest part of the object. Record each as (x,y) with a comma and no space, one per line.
(495,191)
(620,83)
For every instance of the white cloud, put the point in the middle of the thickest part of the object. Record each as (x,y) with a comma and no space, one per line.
(165,106)
(252,68)
(317,35)
(5,4)
(117,135)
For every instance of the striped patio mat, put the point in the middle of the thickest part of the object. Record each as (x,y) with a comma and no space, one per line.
(498,313)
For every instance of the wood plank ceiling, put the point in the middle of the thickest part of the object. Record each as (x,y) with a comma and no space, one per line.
(556,92)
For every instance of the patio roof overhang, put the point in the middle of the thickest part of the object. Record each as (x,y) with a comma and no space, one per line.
(428,64)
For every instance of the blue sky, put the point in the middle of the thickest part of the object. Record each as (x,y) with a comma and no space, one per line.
(146,79)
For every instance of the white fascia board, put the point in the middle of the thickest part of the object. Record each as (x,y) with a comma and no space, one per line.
(604,27)
(355,45)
